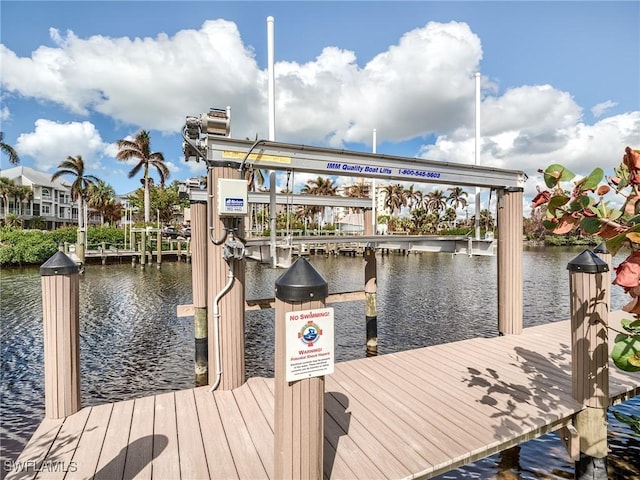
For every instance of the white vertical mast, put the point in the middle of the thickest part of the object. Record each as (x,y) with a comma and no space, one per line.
(272,136)
(477,153)
(373,188)
(271,79)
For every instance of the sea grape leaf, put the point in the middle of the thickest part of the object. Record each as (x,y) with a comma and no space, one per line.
(626,353)
(565,224)
(614,244)
(631,326)
(632,421)
(555,174)
(593,180)
(591,225)
(615,214)
(633,237)
(555,203)
(580,203)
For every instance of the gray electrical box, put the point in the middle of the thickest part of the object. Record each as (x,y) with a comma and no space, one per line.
(232,197)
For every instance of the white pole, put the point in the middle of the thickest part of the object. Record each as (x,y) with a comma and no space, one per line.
(373,187)
(271,78)
(272,136)
(477,153)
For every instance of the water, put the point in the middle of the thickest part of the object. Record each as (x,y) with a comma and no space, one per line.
(133,345)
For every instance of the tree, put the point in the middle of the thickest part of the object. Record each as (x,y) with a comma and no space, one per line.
(319,186)
(9,151)
(113,213)
(413,198)
(255,178)
(13,220)
(7,189)
(585,207)
(100,197)
(456,198)
(23,194)
(435,201)
(74,166)
(140,149)
(164,201)
(394,198)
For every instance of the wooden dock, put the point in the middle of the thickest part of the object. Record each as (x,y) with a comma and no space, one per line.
(413,414)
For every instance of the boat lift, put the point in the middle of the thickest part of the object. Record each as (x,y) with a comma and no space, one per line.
(206,139)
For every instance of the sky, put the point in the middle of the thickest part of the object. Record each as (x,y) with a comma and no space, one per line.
(560,80)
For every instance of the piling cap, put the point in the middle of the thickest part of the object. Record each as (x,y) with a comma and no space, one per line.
(602,248)
(588,262)
(58,264)
(301,283)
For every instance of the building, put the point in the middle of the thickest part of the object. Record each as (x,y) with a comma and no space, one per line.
(50,200)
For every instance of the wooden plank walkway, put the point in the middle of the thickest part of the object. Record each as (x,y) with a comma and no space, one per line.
(412,414)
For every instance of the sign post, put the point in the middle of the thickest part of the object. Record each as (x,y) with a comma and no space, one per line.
(304,338)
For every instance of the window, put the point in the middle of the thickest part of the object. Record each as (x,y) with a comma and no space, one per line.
(46,192)
(46,209)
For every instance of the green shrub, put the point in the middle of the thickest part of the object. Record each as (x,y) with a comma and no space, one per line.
(21,247)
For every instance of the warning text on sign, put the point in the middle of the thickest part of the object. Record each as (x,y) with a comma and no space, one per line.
(310,343)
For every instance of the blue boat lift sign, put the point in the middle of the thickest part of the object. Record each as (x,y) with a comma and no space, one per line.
(309,343)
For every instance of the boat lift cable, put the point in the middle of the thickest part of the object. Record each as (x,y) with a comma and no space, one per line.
(244,160)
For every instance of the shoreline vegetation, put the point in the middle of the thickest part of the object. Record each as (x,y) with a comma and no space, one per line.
(20,247)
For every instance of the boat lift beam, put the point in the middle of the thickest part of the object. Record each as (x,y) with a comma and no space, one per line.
(271,155)
(294,199)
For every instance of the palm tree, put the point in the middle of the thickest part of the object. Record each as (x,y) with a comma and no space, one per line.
(7,189)
(140,148)
(413,198)
(255,177)
(23,194)
(319,186)
(113,213)
(9,150)
(394,198)
(435,201)
(74,166)
(457,198)
(100,196)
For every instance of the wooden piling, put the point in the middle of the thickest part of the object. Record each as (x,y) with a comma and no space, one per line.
(199,282)
(590,361)
(231,305)
(604,254)
(81,243)
(60,313)
(143,249)
(510,286)
(370,295)
(159,248)
(299,405)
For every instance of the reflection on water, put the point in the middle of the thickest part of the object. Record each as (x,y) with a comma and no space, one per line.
(133,345)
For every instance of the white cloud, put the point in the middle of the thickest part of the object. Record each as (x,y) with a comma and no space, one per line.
(5,114)
(421,86)
(149,82)
(52,142)
(601,108)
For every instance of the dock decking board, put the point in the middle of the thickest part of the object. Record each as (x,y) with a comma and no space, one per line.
(402,415)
